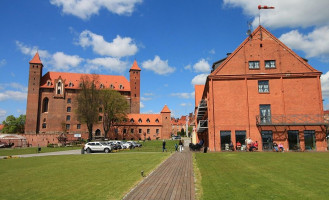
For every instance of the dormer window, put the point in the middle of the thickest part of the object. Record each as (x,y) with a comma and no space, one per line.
(132,120)
(80,85)
(101,86)
(140,120)
(111,86)
(157,120)
(48,83)
(59,87)
(148,120)
(121,87)
(70,84)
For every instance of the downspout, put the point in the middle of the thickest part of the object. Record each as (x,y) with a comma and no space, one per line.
(213,112)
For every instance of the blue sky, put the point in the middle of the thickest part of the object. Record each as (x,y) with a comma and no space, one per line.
(174,42)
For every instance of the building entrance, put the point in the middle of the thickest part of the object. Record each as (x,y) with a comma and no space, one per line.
(267,139)
(225,140)
(309,138)
(293,140)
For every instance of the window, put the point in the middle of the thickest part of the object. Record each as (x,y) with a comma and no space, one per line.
(78,126)
(124,130)
(263,87)
(70,84)
(140,120)
(45,105)
(131,131)
(48,83)
(100,110)
(101,86)
(157,131)
(148,131)
(68,109)
(157,120)
(100,118)
(253,64)
(140,131)
(121,87)
(309,139)
(132,120)
(270,64)
(148,120)
(44,125)
(265,114)
(225,140)
(68,118)
(69,100)
(111,86)
(67,126)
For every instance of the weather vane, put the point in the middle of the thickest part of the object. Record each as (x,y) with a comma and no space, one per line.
(260,7)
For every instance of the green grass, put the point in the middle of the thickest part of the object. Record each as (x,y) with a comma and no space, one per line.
(156,146)
(96,176)
(32,150)
(264,175)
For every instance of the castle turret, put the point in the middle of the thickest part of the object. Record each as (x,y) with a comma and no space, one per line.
(33,96)
(135,88)
(166,122)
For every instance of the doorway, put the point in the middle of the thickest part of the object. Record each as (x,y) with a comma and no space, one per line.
(293,140)
(267,139)
(225,140)
(309,138)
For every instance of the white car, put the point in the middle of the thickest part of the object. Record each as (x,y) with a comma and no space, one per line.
(97,146)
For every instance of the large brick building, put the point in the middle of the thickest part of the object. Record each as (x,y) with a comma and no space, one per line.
(265,91)
(51,104)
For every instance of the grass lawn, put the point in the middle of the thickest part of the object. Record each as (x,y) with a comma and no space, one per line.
(96,176)
(263,175)
(32,150)
(156,146)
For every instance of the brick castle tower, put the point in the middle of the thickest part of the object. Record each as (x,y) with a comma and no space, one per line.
(135,88)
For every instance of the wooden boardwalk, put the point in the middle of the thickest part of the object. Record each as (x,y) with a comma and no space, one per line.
(173,179)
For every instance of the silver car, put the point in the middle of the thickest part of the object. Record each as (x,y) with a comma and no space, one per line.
(97,147)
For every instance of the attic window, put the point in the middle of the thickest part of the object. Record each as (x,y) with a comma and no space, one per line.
(80,85)
(101,86)
(48,83)
(132,120)
(111,86)
(157,120)
(253,64)
(270,64)
(70,84)
(121,87)
(148,120)
(140,120)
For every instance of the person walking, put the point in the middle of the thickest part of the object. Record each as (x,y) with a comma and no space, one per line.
(180,146)
(176,147)
(164,146)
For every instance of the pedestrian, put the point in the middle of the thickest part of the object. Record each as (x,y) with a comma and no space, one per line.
(164,146)
(176,147)
(180,146)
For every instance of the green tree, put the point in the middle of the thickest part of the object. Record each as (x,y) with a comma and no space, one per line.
(88,102)
(13,124)
(115,107)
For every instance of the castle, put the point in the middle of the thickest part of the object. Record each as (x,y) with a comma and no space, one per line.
(51,104)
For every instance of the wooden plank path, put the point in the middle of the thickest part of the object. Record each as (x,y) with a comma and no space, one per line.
(172,180)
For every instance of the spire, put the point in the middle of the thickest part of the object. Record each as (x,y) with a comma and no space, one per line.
(36,59)
(135,66)
(165,109)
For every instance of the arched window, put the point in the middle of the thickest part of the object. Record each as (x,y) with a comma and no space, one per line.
(132,120)
(59,87)
(140,120)
(157,120)
(148,120)
(45,103)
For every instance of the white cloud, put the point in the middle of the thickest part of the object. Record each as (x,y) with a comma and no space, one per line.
(146,98)
(201,66)
(27,50)
(3,114)
(141,105)
(212,51)
(184,95)
(18,86)
(62,61)
(292,13)
(158,66)
(148,94)
(325,85)
(109,63)
(188,67)
(3,62)
(119,47)
(185,104)
(13,95)
(314,44)
(199,79)
(84,9)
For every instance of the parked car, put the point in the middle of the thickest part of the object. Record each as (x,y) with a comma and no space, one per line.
(135,144)
(176,137)
(5,145)
(97,146)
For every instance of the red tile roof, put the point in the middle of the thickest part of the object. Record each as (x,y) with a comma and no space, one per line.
(135,66)
(144,119)
(36,59)
(74,79)
(165,109)
(198,94)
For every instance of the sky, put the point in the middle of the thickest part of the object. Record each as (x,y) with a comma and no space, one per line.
(174,42)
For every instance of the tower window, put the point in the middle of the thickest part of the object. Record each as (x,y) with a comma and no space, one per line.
(68,109)
(78,126)
(68,118)
(45,105)
(69,100)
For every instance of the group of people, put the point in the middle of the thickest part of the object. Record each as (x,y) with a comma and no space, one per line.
(180,145)
(250,145)
(277,147)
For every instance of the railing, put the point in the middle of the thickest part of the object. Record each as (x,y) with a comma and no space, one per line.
(202,126)
(300,119)
(202,109)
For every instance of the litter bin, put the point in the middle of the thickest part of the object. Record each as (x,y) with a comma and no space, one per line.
(205,149)
(82,151)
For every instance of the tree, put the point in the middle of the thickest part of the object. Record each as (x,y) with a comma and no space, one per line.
(182,132)
(88,103)
(115,107)
(13,124)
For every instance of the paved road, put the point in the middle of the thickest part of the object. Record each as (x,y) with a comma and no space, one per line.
(70,152)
